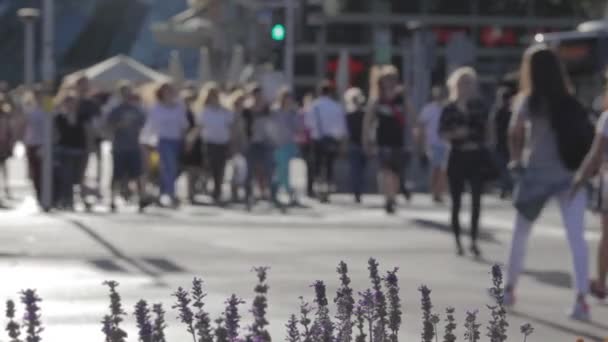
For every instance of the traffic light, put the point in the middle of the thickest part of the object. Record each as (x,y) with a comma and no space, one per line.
(278,32)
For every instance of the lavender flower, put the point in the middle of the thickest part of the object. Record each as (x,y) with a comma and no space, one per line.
(221,334)
(527,330)
(428,331)
(232,317)
(293,334)
(305,321)
(360,324)
(111,323)
(142,317)
(366,310)
(450,327)
(31,319)
(323,328)
(380,310)
(258,330)
(12,327)
(471,327)
(345,304)
(158,330)
(202,323)
(185,313)
(394,312)
(497,327)
(434,321)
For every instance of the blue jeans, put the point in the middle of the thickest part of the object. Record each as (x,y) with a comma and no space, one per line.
(283,156)
(357,160)
(169,151)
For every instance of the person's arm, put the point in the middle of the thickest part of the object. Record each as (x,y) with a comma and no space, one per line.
(517,136)
(592,161)
(368,124)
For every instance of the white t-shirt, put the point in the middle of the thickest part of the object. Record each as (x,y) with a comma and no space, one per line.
(602,125)
(217,123)
(430,118)
(326,118)
(168,122)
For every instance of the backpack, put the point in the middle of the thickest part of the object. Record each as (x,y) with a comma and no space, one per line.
(575,132)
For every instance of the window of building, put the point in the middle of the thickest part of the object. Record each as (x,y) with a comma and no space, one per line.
(406,6)
(305,65)
(555,8)
(348,34)
(450,6)
(503,7)
(356,6)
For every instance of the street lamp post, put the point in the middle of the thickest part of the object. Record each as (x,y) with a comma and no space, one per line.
(48,42)
(29,17)
(290,41)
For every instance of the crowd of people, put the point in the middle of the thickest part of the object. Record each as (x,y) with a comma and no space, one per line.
(534,144)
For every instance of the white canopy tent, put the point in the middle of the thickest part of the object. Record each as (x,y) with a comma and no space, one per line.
(106,74)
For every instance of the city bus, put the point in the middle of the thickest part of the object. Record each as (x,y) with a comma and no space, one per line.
(584,52)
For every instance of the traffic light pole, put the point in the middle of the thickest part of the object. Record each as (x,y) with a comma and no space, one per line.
(289,56)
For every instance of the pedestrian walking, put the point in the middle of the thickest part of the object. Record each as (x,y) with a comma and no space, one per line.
(34,137)
(217,125)
(354,101)
(501,117)
(89,109)
(70,151)
(239,147)
(167,121)
(259,153)
(305,144)
(464,125)
(596,163)
(124,125)
(285,126)
(435,148)
(327,124)
(8,137)
(193,158)
(550,125)
(385,125)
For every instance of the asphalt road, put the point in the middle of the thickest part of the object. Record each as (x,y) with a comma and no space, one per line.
(67,256)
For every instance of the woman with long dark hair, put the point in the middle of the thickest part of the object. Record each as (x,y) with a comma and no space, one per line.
(464,124)
(542,173)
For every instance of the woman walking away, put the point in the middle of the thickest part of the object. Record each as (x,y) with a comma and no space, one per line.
(193,150)
(435,148)
(464,124)
(354,101)
(70,151)
(168,121)
(596,162)
(34,137)
(239,145)
(285,118)
(546,121)
(217,131)
(306,145)
(388,114)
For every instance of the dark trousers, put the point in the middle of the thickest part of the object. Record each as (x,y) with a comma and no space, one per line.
(34,163)
(463,169)
(217,155)
(68,171)
(358,161)
(324,162)
(307,153)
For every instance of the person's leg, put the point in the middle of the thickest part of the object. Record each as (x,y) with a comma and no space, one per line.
(476,195)
(573,215)
(35,167)
(356,172)
(175,149)
(5,178)
(599,285)
(517,255)
(456,180)
(117,164)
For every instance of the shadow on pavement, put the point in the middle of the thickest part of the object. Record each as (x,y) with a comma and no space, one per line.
(554,278)
(445,228)
(555,326)
(117,253)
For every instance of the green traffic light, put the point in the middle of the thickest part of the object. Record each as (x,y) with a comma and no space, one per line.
(278,32)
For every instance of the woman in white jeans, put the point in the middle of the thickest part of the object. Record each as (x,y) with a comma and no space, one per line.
(542,174)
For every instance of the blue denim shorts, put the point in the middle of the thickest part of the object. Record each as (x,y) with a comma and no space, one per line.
(438,156)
